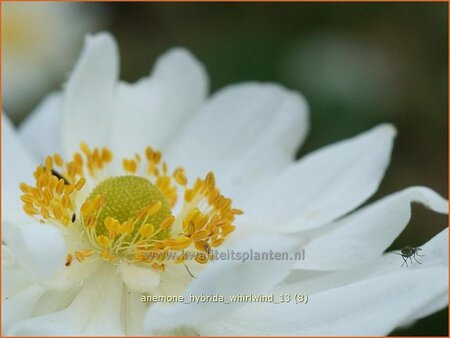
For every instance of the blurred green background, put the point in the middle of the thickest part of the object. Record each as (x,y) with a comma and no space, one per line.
(358,64)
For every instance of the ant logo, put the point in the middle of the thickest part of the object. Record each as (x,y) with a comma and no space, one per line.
(408,252)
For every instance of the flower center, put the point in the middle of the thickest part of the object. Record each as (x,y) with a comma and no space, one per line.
(125,197)
(127,217)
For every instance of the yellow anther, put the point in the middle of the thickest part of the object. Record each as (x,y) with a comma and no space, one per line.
(167,223)
(71,169)
(130,166)
(42,181)
(58,160)
(157,157)
(165,168)
(200,235)
(203,246)
(57,212)
(106,155)
(29,209)
(86,208)
(82,255)
(180,177)
(69,260)
(149,153)
(48,194)
(159,245)
(78,159)
(191,228)
(159,267)
(103,241)
(217,242)
(210,181)
(79,185)
(201,222)
(154,208)
(79,256)
(181,243)
(107,256)
(146,230)
(226,229)
(236,212)
(27,199)
(126,227)
(87,252)
(48,163)
(68,189)
(189,195)
(67,202)
(96,157)
(98,201)
(45,213)
(65,220)
(128,217)
(112,225)
(23,187)
(60,187)
(85,149)
(193,215)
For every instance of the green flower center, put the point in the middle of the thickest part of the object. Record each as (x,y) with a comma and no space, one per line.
(125,197)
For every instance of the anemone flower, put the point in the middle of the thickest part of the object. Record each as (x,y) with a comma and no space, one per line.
(115,192)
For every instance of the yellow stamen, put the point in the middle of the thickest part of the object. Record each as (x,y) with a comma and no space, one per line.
(129,218)
(103,241)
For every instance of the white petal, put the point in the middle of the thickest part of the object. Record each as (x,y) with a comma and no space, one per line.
(17,166)
(436,249)
(20,306)
(151,111)
(95,311)
(432,255)
(137,278)
(18,294)
(365,234)
(175,279)
(409,296)
(41,131)
(73,277)
(323,185)
(439,302)
(435,254)
(39,249)
(14,280)
(244,133)
(133,310)
(226,278)
(54,300)
(88,96)
(370,307)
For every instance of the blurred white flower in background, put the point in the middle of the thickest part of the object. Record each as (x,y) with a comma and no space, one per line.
(40,41)
(247,134)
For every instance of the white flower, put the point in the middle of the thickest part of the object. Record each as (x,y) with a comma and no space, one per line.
(70,280)
(31,64)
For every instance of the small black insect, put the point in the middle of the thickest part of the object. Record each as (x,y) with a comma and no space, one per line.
(59,176)
(409,252)
(74,218)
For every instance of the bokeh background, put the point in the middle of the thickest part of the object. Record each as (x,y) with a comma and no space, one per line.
(358,64)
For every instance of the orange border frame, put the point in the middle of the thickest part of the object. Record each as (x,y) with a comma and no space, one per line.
(313,1)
